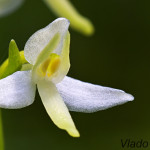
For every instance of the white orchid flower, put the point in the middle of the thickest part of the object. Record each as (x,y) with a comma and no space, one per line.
(47,51)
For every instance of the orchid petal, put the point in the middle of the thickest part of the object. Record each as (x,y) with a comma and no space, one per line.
(64,8)
(8,6)
(17,90)
(56,108)
(86,97)
(65,61)
(42,39)
(43,56)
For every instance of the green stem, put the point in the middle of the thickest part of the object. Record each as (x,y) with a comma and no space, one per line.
(1,133)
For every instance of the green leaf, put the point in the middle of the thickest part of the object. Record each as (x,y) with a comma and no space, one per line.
(13,63)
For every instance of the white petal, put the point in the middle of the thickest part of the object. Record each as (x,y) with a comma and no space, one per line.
(8,6)
(65,61)
(39,40)
(17,90)
(85,97)
(56,108)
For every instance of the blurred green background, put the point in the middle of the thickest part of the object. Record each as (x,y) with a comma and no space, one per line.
(117,55)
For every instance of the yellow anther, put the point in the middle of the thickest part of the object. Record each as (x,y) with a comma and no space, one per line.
(44,66)
(53,65)
(49,66)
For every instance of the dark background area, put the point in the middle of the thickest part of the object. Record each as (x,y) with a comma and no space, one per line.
(117,55)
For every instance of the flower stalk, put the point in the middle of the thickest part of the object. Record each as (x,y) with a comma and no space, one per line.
(1,133)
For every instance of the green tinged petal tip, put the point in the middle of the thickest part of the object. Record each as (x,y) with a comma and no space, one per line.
(64,8)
